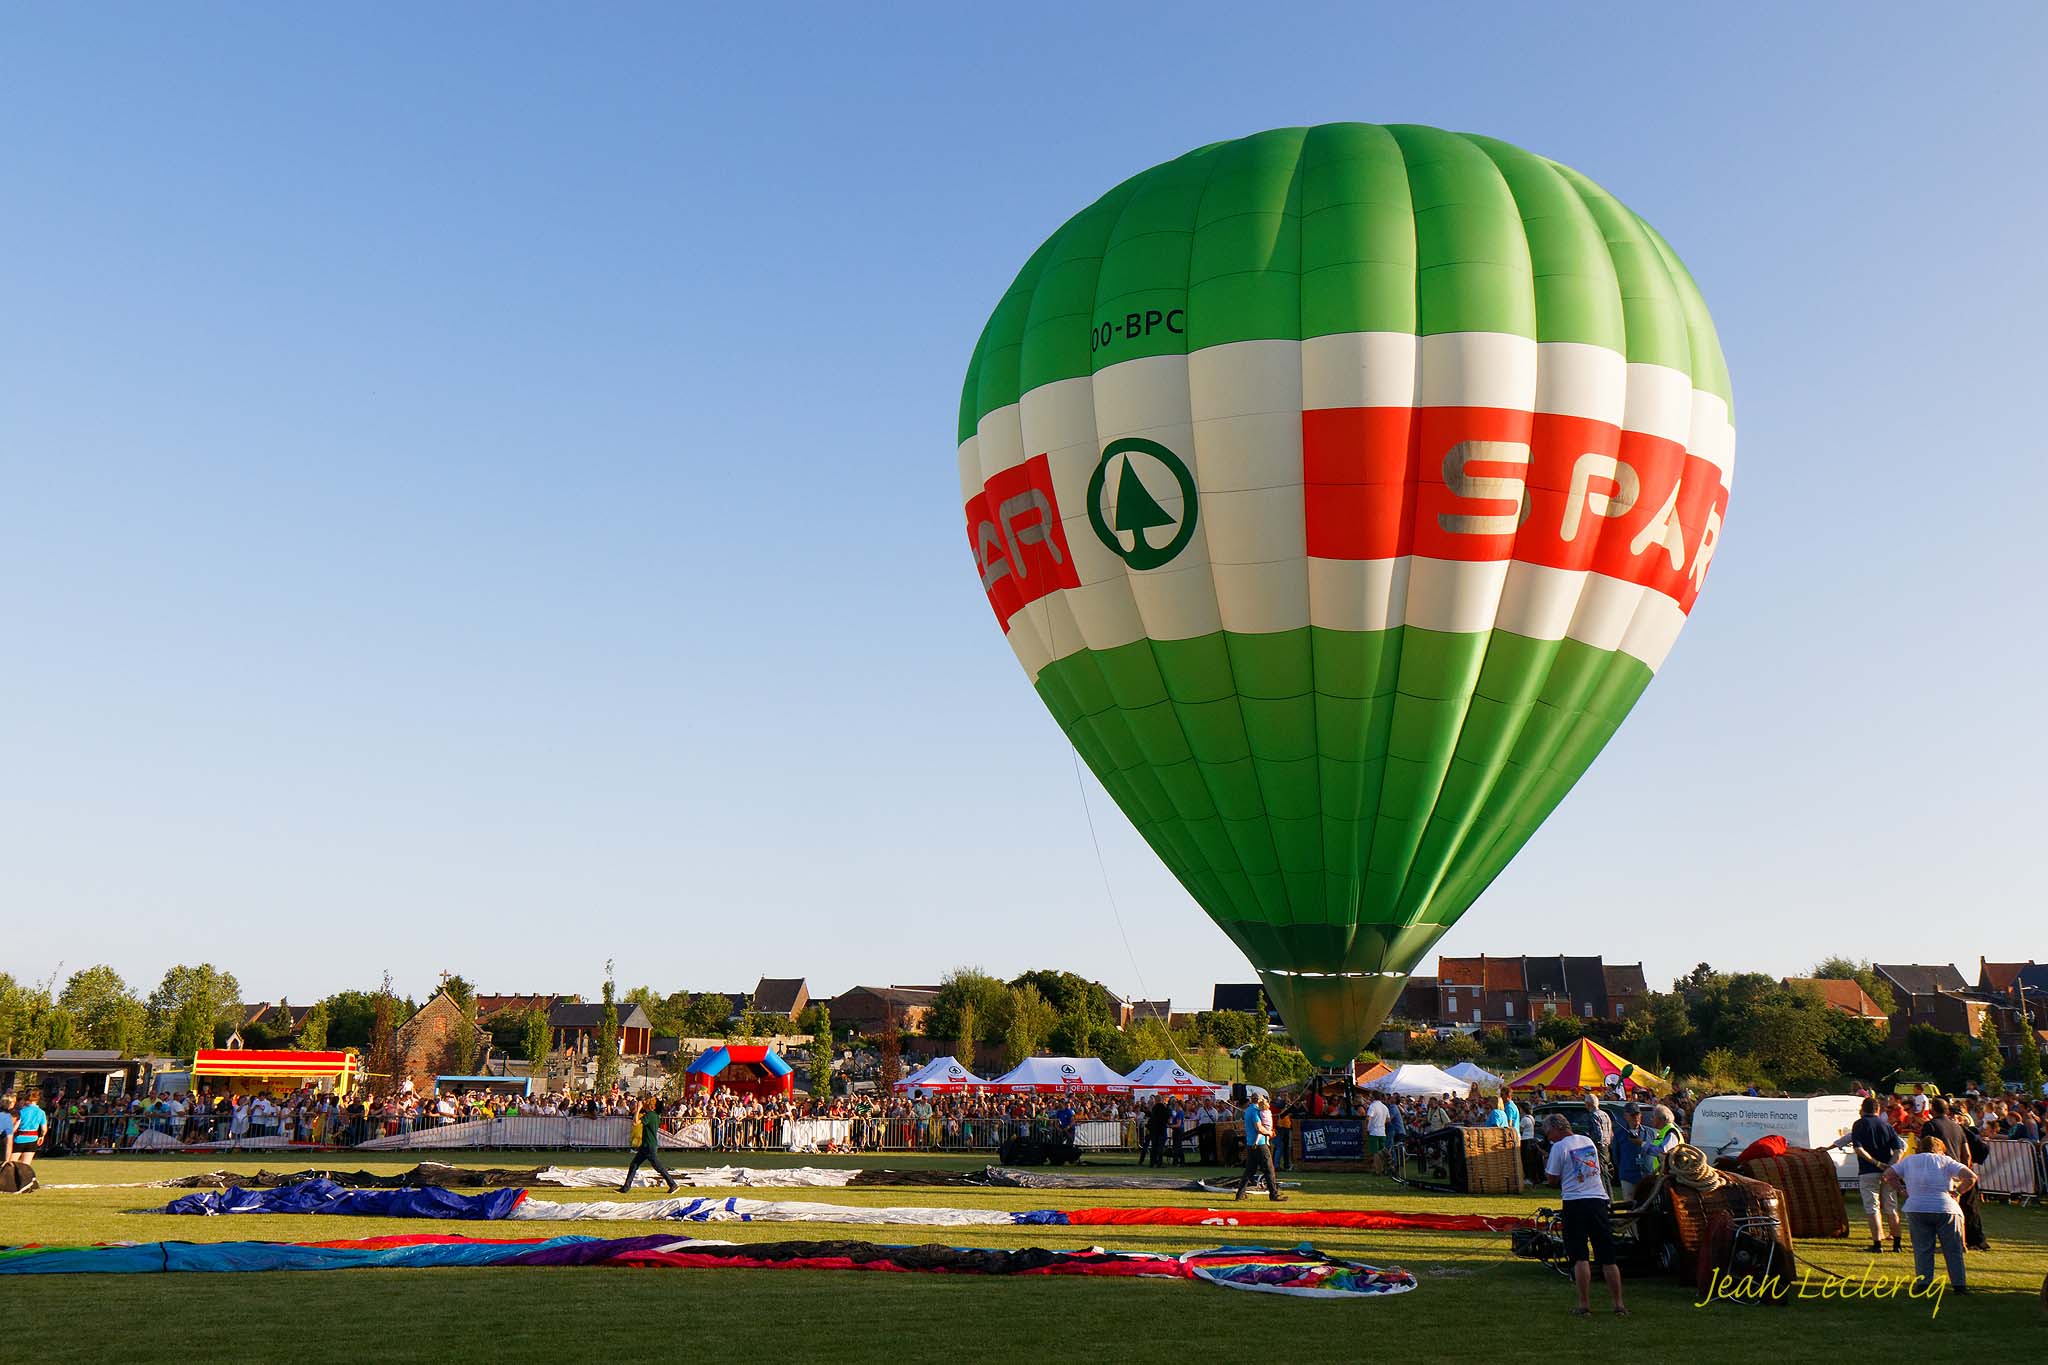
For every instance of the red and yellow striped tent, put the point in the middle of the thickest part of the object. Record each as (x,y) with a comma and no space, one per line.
(1583,1064)
(260,1068)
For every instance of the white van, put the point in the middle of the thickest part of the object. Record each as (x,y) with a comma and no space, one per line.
(1726,1124)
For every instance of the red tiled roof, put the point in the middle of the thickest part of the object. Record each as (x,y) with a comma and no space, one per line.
(1504,974)
(1846,996)
(1458,971)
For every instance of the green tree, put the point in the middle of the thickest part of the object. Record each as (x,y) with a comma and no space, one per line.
(973,990)
(2027,1070)
(608,1035)
(1272,1065)
(351,1018)
(1148,1039)
(313,1033)
(1231,1028)
(1459,1047)
(821,1053)
(1990,1066)
(192,1007)
(665,1013)
(1943,1058)
(964,1048)
(891,1048)
(1069,994)
(107,1014)
(533,1041)
(1558,1030)
(706,1016)
(62,1026)
(1032,1021)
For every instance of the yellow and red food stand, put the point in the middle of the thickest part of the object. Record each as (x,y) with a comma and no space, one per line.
(245,1070)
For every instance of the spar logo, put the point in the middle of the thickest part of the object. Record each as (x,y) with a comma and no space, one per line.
(1148,516)
(1019,545)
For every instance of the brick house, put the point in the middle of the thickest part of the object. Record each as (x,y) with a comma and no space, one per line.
(1627,989)
(864,1009)
(578,1029)
(783,997)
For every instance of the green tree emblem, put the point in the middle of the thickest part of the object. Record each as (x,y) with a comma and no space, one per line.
(1137,511)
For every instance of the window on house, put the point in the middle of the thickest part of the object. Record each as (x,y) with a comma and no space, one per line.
(1589,1009)
(1511,1009)
(1475,1014)
(1451,1002)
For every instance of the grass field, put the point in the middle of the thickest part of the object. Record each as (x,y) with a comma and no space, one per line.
(1474,1302)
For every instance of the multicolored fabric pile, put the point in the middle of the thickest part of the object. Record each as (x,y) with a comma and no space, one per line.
(325,1197)
(1302,1271)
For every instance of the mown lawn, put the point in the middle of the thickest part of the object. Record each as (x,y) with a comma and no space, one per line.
(1475,1302)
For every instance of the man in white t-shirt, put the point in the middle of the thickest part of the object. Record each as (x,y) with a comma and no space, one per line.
(1376,1132)
(1574,1167)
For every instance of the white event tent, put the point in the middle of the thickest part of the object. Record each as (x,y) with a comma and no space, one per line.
(1163,1077)
(1414,1079)
(1060,1073)
(1478,1075)
(941,1073)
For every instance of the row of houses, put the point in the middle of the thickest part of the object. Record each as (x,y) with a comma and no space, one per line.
(2008,1002)
(1512,993)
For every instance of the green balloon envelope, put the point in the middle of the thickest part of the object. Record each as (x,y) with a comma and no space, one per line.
(1340,489)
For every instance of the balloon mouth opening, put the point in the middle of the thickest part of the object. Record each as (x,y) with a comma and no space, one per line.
(1333,1015)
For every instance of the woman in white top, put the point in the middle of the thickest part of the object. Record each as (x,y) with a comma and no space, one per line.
(1932,1179)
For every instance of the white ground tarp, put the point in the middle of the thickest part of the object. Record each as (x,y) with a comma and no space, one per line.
(1415,1078)
(816,1135)
(537,1130)
(737,1210)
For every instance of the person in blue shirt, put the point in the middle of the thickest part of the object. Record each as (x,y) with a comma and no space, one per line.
(1629,1141)
(30,1125)
(1258,1145)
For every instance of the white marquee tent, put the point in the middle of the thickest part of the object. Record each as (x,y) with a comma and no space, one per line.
(1414,1079)
(1163,1077)
(940,1073)
(1478,1075)
(1060,1073)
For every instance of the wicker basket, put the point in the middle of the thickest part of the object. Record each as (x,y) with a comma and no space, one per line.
(1691,1211)
(1808,1191)
(1487,1161)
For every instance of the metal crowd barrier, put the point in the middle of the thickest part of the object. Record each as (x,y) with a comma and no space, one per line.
(143,1132)
(2015,1170)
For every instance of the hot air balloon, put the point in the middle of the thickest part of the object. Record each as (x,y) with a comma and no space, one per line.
(1339,490)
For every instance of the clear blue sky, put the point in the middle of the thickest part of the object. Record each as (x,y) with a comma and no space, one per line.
(479,487)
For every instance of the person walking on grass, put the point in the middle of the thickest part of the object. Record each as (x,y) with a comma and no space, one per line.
(647,1147)
(1258,1145)
(1574,1167)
